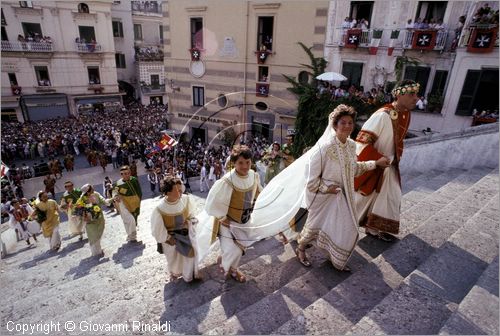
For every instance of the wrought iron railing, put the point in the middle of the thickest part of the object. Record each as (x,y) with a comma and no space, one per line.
(441,36)
(468,32)
(160,88)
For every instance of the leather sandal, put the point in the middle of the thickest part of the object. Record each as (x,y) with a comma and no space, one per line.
(380,235)
(283,239)
(304,261)
(237,275)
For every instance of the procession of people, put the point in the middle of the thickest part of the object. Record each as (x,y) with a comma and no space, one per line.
(339,184)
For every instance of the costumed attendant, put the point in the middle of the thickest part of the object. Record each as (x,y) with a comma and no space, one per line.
(20,216)
(47,214)
(378,197)
(89,207)
(332,220)
(68,200)
(172,225)
(231,202)
(127,194)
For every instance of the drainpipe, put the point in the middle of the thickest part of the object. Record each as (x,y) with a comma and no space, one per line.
(245,73)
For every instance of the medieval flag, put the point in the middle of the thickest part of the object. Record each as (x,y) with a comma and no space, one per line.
(482,40)
(5,169)
(352,38)
(167,142)
(424,39)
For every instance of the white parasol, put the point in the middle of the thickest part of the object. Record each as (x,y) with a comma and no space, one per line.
(331,77)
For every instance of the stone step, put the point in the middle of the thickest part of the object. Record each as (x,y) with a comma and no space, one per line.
(477,314)
(346,304)
(420,180)
(406,180)
(289,300)
(266,275)
(439,284)
(432,203)
(428,186)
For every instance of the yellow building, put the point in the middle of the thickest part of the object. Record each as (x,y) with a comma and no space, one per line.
(225,62)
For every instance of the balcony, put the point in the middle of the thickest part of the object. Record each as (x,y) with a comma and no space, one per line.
(148,54)
(479,37)
(424,39)
(88,47)
(153,89)
(13,46)
(365,37)
(148,8)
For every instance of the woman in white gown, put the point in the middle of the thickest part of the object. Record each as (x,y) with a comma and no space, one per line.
(332,221)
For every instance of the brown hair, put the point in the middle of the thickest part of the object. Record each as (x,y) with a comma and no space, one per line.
(169,182)
(341,111)
(240,150)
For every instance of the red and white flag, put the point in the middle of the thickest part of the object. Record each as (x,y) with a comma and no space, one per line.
(167,142)
(5,169)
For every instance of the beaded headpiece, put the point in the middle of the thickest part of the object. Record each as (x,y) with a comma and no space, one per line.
(404,89)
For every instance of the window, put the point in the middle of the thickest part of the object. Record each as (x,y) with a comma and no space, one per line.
(428,10)
(12,79)
(155,81)
(42,75)
(361,10)
(439,82)
(480,91)
(4,34)
(198,96)
(94,77)
(303,77)
(26,4)
(353,71)
(83,8)
(419,75)
(31,29)
(261,106)
(222,100)
(265,33)
(197,33)
(161,33)
(117,29)
(87,34)
(137,32)
(120,61)
(263,74)
(4,22)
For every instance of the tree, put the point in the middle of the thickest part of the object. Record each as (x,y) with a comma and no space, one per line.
(313,109)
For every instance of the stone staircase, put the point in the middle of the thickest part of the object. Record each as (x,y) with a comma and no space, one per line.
(440,277)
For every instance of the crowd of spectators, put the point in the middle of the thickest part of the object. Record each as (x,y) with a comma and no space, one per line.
(34,37)
(369,97)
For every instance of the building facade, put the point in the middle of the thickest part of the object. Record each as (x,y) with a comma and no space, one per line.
(225,62)
(455,77)
(57,58)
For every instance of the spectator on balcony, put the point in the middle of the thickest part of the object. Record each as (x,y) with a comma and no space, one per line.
(440,25)
(347,23)
(418,23)
(91,46)
(354,23)
(425,24)
(363,24)
(409,24)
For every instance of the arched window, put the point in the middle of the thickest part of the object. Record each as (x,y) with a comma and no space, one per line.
(83,8)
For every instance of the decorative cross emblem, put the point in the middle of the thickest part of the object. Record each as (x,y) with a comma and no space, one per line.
(353,39)
(483,40)
(263,90)
(424,40)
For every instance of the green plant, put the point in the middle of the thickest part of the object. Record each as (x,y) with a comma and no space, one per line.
(377,33)
(435,102)
(394,34)
(401,61)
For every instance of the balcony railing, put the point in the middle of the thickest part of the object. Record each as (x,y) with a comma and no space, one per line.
(364,40)
(148,54)
(408,36)
(88,47)
(160,88)
(151,8)
(27,46)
